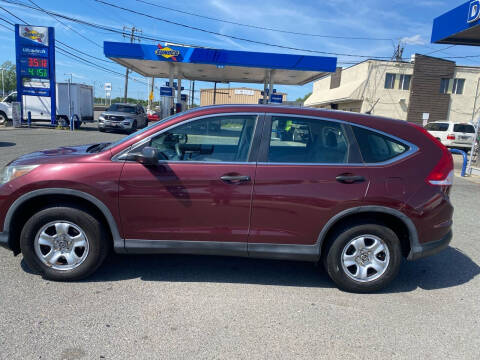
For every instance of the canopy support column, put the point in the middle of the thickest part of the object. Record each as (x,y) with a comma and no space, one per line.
(171,69)
(270,87)
(265,89)
(179,89)
(150,96)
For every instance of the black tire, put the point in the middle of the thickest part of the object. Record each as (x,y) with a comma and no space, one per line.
(134,127)
(3,118)
(333,257)
(101,130)
(93,229)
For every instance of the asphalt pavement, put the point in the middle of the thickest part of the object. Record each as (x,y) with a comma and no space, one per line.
(184,307)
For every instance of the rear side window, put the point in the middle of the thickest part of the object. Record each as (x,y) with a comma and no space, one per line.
(464,128)
(437,127)
(305,140)
(376,147)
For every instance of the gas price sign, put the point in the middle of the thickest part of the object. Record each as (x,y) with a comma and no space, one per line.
(35,49)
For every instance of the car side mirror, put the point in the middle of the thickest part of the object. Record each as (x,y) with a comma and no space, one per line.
(148,156)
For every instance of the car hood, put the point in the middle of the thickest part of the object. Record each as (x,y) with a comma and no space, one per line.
(65,154)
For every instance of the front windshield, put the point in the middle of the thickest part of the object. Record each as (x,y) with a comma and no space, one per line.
(131,136)
(122,108)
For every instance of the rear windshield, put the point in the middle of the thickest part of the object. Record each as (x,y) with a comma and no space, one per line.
(122,108)
(464,128)
(437,127)
(376,147)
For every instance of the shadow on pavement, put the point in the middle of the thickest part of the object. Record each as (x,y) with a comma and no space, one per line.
(7,144)
(447,269)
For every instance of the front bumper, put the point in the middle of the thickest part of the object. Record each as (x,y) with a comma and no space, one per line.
(115,125)
(431,248)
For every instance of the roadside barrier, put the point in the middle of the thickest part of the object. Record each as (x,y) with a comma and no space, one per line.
(465,159)
(72,121)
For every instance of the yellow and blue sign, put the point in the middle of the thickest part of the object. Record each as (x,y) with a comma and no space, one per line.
(35,60)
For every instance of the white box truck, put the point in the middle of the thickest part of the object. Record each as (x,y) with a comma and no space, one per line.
(81,104)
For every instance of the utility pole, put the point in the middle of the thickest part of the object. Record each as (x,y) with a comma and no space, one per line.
(132,37)
(3,83)
(398,54)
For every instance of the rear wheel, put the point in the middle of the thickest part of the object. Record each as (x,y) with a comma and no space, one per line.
(63,243)
(364,258)
(3,118)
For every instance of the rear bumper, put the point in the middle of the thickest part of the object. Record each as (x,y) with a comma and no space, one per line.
(431,248)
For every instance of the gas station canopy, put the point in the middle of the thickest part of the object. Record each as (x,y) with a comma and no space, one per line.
(215,65)
(459,26)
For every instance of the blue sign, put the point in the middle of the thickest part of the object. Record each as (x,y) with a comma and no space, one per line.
(183,97)
(166,91)
(35,60)
(276,98)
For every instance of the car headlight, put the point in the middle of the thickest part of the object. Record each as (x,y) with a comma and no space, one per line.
(14,171)
(101,118)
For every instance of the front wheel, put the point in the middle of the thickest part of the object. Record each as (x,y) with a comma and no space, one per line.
(364,258)
(63,243)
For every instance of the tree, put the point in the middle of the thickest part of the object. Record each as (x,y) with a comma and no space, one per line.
(9,77)
(302,99)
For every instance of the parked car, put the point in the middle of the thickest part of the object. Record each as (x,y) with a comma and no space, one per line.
(153,115)
(123,117)
(453,135)
(358,196)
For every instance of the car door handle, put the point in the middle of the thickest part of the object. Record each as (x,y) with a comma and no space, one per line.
(349,178)
(235,179)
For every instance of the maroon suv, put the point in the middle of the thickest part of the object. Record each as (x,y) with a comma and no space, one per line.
(356,192)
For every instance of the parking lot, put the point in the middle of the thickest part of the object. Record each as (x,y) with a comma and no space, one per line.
(172,306)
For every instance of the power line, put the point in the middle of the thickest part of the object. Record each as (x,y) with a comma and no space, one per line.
(68,27)
(72,56)
(93,25)
(235,37)
(262,27)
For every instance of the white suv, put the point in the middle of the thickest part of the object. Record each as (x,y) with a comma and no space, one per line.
(454,135)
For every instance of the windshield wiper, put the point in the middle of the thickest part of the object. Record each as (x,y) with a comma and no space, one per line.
(97,147)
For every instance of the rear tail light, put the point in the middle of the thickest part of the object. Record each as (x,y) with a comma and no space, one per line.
(451,137)
(442,173)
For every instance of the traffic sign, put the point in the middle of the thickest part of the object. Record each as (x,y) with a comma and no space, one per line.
(166,91)
(276,98)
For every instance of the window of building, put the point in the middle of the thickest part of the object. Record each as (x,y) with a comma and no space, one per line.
(458,85)
(405,82)
(300,140)
(390,81)
(452,86)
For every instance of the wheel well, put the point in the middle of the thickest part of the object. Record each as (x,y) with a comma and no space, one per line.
(27,209)
(390,221)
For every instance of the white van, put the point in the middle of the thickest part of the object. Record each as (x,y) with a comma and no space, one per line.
(81,104)
(454,135)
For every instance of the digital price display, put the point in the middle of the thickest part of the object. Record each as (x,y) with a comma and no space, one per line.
(37,67)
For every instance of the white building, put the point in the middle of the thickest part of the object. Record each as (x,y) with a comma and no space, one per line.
(402,90)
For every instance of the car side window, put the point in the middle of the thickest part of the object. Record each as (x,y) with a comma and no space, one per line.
(215,139)
(304,140)
(376,147)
